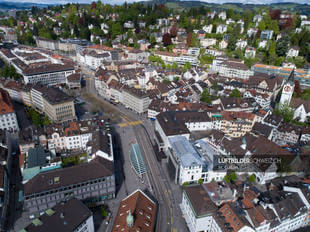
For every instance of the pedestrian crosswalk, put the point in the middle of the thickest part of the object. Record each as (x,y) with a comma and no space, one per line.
(132,123)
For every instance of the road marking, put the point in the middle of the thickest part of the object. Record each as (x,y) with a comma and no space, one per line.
(123,124)
(132,123)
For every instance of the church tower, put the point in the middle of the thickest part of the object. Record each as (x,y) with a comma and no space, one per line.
(288,89)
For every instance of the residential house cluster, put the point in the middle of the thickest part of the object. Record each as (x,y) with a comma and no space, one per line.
(281,205)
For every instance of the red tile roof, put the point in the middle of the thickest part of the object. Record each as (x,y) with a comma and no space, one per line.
(143,210)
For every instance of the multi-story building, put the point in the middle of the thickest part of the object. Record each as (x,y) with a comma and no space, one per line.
(91,182)
(287,133)
(74,81)
(230,68)
(201,213)
(94,59)
(137,212)
(46,43)
(74,135)
(50,74)
(236,124)
(136,99)
(57,105)
(71,216)
(305,136)
(302,75)
(186,161)
(14,90)
(187,59)
(285,209)
(38,65)
(8,119)
(191,162)
(167,57)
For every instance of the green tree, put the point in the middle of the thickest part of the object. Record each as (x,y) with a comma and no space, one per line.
(35,117)
(174,65)
(187,66)
(252,178)
(231,177)
(299,61)
(103,212)
(205,96)
(200,181)
(235,93)
(152,40)
(116,29)
(282,46)
(46,120)
(185,184)
(286,112)
(306,94)
(262,25)
(233,37)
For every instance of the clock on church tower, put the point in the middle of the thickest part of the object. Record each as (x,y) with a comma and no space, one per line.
(288,89)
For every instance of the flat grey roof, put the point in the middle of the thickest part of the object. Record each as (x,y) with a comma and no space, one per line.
(185,151)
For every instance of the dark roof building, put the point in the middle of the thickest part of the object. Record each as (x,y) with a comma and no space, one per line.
(68,216)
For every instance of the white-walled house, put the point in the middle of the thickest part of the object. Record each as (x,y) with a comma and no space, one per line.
(208,28)
(223,44)
(262,44)
(293,52)
(241,44)
(222,28)
(250,52)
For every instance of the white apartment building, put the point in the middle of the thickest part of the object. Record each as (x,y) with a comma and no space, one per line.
(186,160)
(136,99)
(52,74)
(95,60)
(186,58)
(167,57)
(231,68)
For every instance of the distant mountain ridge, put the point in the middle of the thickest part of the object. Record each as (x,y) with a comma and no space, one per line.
(284,6)
(20,5)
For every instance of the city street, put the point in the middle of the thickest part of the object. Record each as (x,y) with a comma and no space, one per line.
(167,193)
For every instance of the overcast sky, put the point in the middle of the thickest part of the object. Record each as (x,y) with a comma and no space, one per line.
(122,1)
